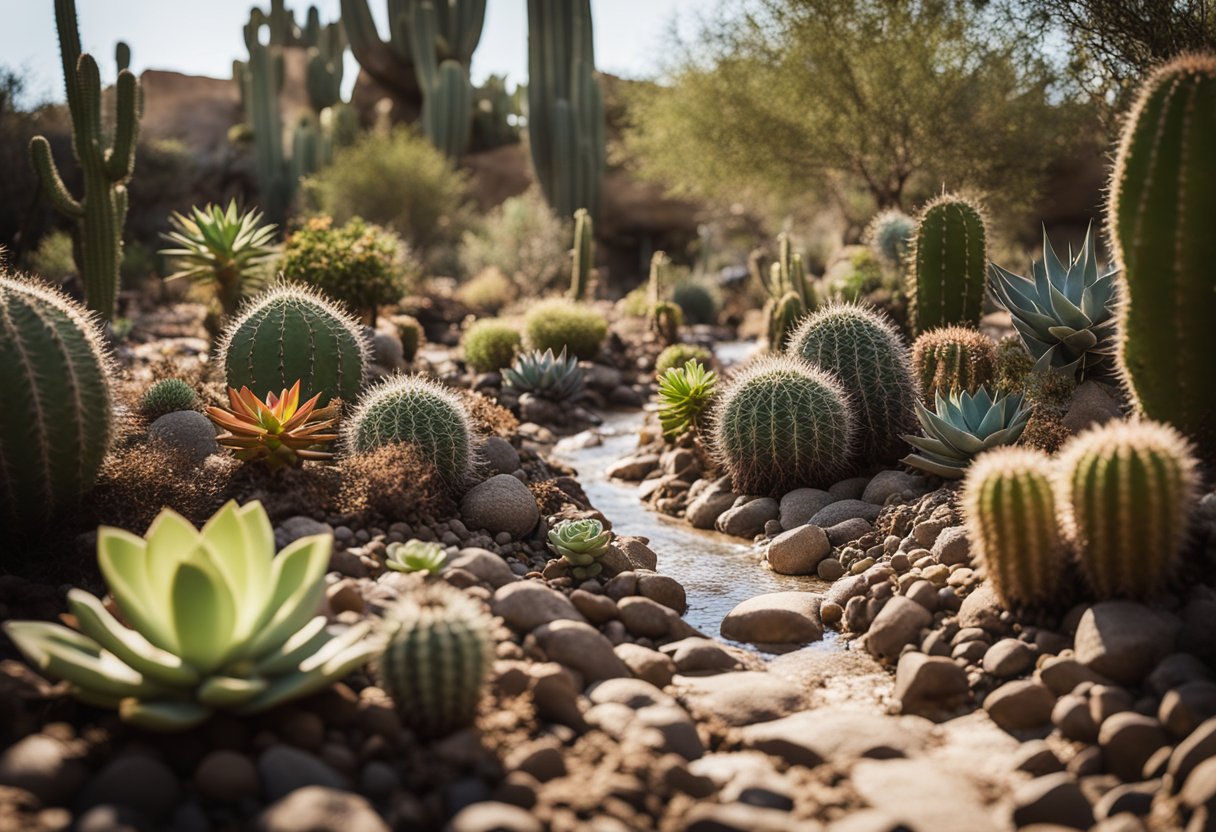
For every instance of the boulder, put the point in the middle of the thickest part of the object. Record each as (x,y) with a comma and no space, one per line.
(500,504)
(775,618)
(526,605)
(1123,640)
(799,550)
(748,519)
(581,647)
(797,507)
(898,624)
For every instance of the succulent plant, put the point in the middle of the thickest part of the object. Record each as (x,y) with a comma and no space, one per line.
(412,337)
(1125,493)
(677,355)
(557,378)
(889,236)
(216,622)
(415,556)
(948,262)
(279,431)
(964,426)
(1011,521)
(168,395)
(559,324)
(953,358)
(685,394)
(437,658)
(782,424)
(665,321)
(581,543)
(696,300)
(1064,312)
(490,344)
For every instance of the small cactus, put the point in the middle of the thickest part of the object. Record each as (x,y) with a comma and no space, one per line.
(438,655)
(583,256)
(411,335)
(560,324)
(1011,520)
(168,395)
(950,358)
(949,259)
(1125,492)
(490,344)
(696,300)
(677,355)
(889,236)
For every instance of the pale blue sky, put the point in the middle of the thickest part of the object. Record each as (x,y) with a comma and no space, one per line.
(201,37)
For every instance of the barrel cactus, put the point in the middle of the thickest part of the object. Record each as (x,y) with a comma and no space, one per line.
(57,419)
(168,395)
(953,358)
(437,658)
(1125,491)
(1010,513)
(889,235)
(949,259)
(863,350)
(291,333)
(782,424)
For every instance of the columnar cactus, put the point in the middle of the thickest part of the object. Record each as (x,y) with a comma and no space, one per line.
(1125,492)
(583,258)
(1010,514)
(949,261)
(953,357)
(447,92)
(437,658)
(262,79)
(105,165)
(863,350)
(326,49)
(56,421)
(790,295)
(290,333)
(1162,200)
(781,424)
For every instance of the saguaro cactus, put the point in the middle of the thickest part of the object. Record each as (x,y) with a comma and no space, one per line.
(1162,200)
(326,47)
(949,261)
(583,255)
(262,78)
(106,165)
(447,92)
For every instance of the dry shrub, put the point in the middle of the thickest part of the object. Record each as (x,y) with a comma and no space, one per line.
(489,417)
(137,481)
(392,481)
(311,490)
(549,498)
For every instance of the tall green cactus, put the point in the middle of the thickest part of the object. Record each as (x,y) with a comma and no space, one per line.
(106,165)
(262,77)
(1162,200)
(56,421)
(583,257)
(447,92)
(326,49)
(949,259)
(1125,492)
(790,294)
(565,105)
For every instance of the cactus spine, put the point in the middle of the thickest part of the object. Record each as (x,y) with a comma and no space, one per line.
(106,166)
(1162,200)
(583,255)
(291,333)
(949,263)
(57,418)
(1125,491)
(1011,520)
(950,358)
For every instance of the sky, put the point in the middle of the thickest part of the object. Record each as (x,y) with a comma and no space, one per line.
(203,38)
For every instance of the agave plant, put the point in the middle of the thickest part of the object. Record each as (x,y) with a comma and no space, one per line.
(685,394)
(216,622)
(220,246)
(415,556)
(1064,313)
(556,378)
(280,430)
(581,543)
(964,426)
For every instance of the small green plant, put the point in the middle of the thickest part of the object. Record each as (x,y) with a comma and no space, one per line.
(665,317)
(280,432)
(211,620)
(168,395)
(790,293)
(696,300)
(685,394)
(558,324)
(557,378)
(581,544)
(490,344)
(52,260)
(948,261)
(488,291)
(411,335)
(677,355)
(889,236)
(415,556)
(953,358)
(964,426)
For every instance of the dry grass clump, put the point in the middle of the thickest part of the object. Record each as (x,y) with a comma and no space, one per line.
(138,480)
(549,497)
(392,481)
(489,417)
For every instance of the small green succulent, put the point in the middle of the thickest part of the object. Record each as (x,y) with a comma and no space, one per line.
(685,394)
(581,543)
(964,426)
(557,378)
(415,556)
(168,395)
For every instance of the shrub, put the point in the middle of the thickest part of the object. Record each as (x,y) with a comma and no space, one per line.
(523,239)
(490,344)
(677,355)
(488,416)
(394,481)
(854,273)
(697,300)
(558,324)
(52,260)
(168,395)
(488,291)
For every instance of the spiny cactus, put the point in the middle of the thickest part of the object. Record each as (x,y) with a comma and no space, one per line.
(697,301)
(949,260)
(1011,521)
(677,355)
(437,658)
(168,395)
(56,421)
(790,295)
(447,92)
(1125,491)
(889,236)
(420,412)
(326,49)
(781,424)
(411,334)
(583,256)
(291,333)
(559,324)
(490,344)
(105,165)
(1162,200)
(950,358)
(261,79)
(665,317)
(863,350)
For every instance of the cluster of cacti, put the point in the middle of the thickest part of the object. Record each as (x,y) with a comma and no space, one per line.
(105,165)
(291,333)
(490,344)
(685,395)
(964,426)
(665,317)
(437,658)
(583,255)
(696,300)
(168,395)
(415,556)
(781,424)
(261,79)
(326,49)
(1162,199)
(56,421)
(952,358)
(565,105)
(949,259)
(889,236)
(677,355)
(421,413)
(557,378)
(447,92)
(560,325)
(790,294)
(865,353)
(581,544)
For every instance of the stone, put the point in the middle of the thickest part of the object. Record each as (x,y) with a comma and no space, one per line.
(499,455)
(1036,758)
(850,489)
(952,546)
(526,605)
(1092,403)
(929,685)
(693,655)
(1020,705)
(543,760)
(226,777)
(1072,717)
(704,511)
(798,551)
(1200,787)
(775,618)
(797,507)
(923,593)
(1175,670)
(663,589)
(633,468)
(924,795)
(134,781)
(889,483)
(1127,740)
(741,698)
(636,552)
(1193,750)
(44,767)
(1133,798)
(981,609)
(846,588)
(842,510)
(321,809)
(283,769)
(597,609)
(748,519)
(838,733)
(294,528)
(582,647)
(387,350)
(676,728)
(487,566)
(1123,640)
(830,570)
(1054,799)
(740,817)
(1008,658)
(186,431)
(1062,674)
(899,623)
(500,504)
(644,618)
(1186,706)
(846,531)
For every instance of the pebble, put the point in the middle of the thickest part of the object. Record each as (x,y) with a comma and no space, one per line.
(748,519)
(44,767)
(695,654)
(187,431)
(1186,706)
(489,567)
(283,769)
(136,782)
(1020,705)
(500,505)
(775,618)
(849,489)
(580,647)
(741,698)
(1071,716)
(889,483)
(226,777)
(526,605)
(952,546)
(663,589)
(644,618)
(1199,746)
(799,550)
(1008,658)
(1054,799)
(899,623)
(321,809)
(830,569)
(595,608)
(649,665)
(929,685)
(797,507)
(1123,640)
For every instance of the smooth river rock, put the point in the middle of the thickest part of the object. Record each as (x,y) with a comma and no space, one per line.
(775,618)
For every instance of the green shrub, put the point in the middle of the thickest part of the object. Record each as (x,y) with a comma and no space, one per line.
(52,260)
(636,304)
(168,395)
(488,291)
(490,344)
(558,324)
(854,273)
(698,300)
(523,239)
(677,355)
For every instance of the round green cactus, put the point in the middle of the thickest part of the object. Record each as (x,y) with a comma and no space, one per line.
(950,261)
(557,324)
(168,395)
(677,355)
(782,424)
(953,358)
(490,344)
(291,333)
(697,301)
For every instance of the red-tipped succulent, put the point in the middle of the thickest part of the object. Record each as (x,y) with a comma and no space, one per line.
(281,431)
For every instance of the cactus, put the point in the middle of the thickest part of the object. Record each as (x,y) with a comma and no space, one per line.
(949,260)
(889,236)
(168,395)
(1011,522)
(583,255)
(420,412)
(557,378)
(490,344)
(493,108)
(326,49)
(790,295)
(437,658)
(950,358)
(290,332)
(1162,200)
(665,318)
(565,105)
(105,166)
(782,424)
(677,355)
(1125,491)
(560,325)
(447,92)
(262,78)
(863,350)
(56,422)
(697,301)
(311,147)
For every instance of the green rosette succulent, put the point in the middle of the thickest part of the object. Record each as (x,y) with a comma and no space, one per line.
(557,378)
(685,394)
(964,426)
(581,543)
(415,556)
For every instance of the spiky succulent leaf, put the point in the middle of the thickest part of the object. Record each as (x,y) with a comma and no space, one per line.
(685,395)
(964,426)
(557,378)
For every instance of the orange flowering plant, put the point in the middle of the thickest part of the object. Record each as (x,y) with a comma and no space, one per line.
(280,430)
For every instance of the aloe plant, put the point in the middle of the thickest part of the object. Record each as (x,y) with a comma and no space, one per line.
(685,394)
(556,378)
(964,426)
